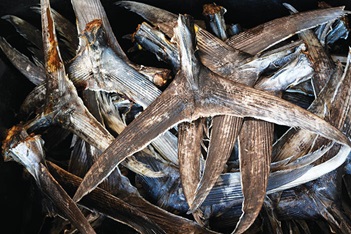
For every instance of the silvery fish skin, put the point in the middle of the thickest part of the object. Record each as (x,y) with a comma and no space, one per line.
(304,88)
(302,167)
(287,206)
(105,203)
(214,16)
(88,11)
(324,200)
(155,41)
(28,151)
(212,91)
(335,94)
(226,194)
(234,29)
(287,26)
(297,71)
(220,133)
(229,144)
(322,63)
(302,161)
(108,204)
(208,181)
(98,68)
(333,31)
(37,96)
(325,70)
(339,31)
(62,104)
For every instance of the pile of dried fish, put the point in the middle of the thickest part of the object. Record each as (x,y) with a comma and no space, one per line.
(194,146)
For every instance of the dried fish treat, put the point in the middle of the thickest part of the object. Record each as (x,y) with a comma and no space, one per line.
(206,136)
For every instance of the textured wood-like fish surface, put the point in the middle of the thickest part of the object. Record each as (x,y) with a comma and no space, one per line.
(183,128)
(107,204)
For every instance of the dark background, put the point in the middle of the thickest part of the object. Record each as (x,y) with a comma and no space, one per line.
(19,202)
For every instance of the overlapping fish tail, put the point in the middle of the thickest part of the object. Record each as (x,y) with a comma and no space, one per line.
(28,151)
(105,203)
(86,12)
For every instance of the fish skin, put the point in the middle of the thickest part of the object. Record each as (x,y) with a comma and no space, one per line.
(28,151)
(164,17)
(335,93)
(225,128)
(155,41)
(68,42)
(162,218)
(216,158)
(255,144)
(105,203)
(62,105)
(37,99)
(212,96)
(60,88)
(189,152)
(323,199)
(267,35)
(321,61)
(325,70)
(34,73)
(102,70)
(63,92)
(214,16)
(166,21)
(88,11)
(84,155)
(225,194)
(212,172)
(225,140)
(98,68)
(95,103)
(65,29)
(25,29)
(303,161)
(29,32)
